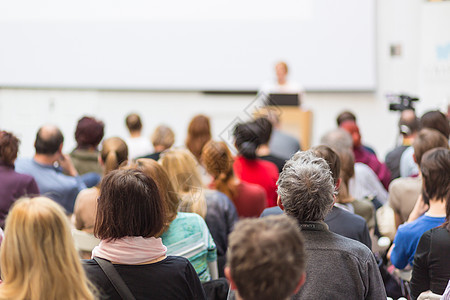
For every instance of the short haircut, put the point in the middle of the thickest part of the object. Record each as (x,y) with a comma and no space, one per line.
(163,136)
(435,168)
(436,120)
(428,139)
(266,257)
(306,187)
(89,132)
(345,116)
(133,122)
(48,140)
(337,139)
(331,158)
(9,146)
(265,130)
(129,205)
(408,123)
(284,65)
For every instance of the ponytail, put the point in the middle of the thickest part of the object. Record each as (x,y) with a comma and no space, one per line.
(114,153)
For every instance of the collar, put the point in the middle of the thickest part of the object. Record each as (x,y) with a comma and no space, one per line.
(313,226)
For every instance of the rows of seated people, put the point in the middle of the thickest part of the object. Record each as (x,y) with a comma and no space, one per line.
(171,222)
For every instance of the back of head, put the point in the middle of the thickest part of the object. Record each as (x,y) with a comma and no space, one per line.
(114,152)
(181,166)
(218,161)
(9,146)
(265,129)
(133,122)
(48,140)
(129,205)
(332,159)
(306,187)
(168,195)
(337,139)
(266,257)
(163,136)
(428,139)
(345,116)
(89,133)
(199,132)
(347,159)
(436,120)
(247,139)
(408,124)
(435,168)
(38,256)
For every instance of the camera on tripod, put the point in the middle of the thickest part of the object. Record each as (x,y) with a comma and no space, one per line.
(401,102)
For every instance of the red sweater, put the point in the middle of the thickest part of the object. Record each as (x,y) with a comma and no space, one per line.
(261,172)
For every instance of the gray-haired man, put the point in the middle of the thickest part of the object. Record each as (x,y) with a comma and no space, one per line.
(337,267)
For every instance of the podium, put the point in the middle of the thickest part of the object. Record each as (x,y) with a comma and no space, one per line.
(294,121)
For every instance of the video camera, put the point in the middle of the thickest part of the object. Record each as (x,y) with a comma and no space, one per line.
(401,102)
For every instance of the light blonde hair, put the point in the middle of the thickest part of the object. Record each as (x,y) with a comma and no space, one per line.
(38,256)
(114,153)
(181,166)
(163,136)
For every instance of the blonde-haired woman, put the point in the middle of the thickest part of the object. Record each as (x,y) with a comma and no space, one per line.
(38,256)
(249,199)
(114,152)
(182,230)
(217,209)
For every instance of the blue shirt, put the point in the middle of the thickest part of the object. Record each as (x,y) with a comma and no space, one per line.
(52,182)
(407,239)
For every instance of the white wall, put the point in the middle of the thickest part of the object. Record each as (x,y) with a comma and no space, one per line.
(399,22)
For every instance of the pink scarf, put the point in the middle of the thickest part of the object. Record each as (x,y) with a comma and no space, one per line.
(130,250)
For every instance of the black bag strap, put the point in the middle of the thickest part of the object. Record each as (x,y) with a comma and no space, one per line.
(114,277)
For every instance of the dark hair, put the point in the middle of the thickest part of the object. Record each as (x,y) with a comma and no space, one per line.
(133,122)
(9,146)
(89,132)
(427,139)
(129,205)
(345,116)
(332,159)
(49,142)
(265,127)
(436,120)
(247,139)
(435,169)
(199,133)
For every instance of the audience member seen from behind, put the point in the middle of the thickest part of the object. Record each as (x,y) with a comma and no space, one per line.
(408,126)
(266,259)
(53,171)
(248,167)
(199,133)
(404,192)
(162,139)
(114,153)
(216,208)
(130,214)
(431,120)
(263,151)
(38,256)
(435,190)
(138,145)
(88,135)
(336,267)
(12,184)
(365,156)
(249,199)
(182,230)
(431,267)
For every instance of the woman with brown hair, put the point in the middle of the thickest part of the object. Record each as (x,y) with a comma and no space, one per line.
(249,199)
(38,256)
(12,184)
(114,152)
(182,230)
(130,216)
